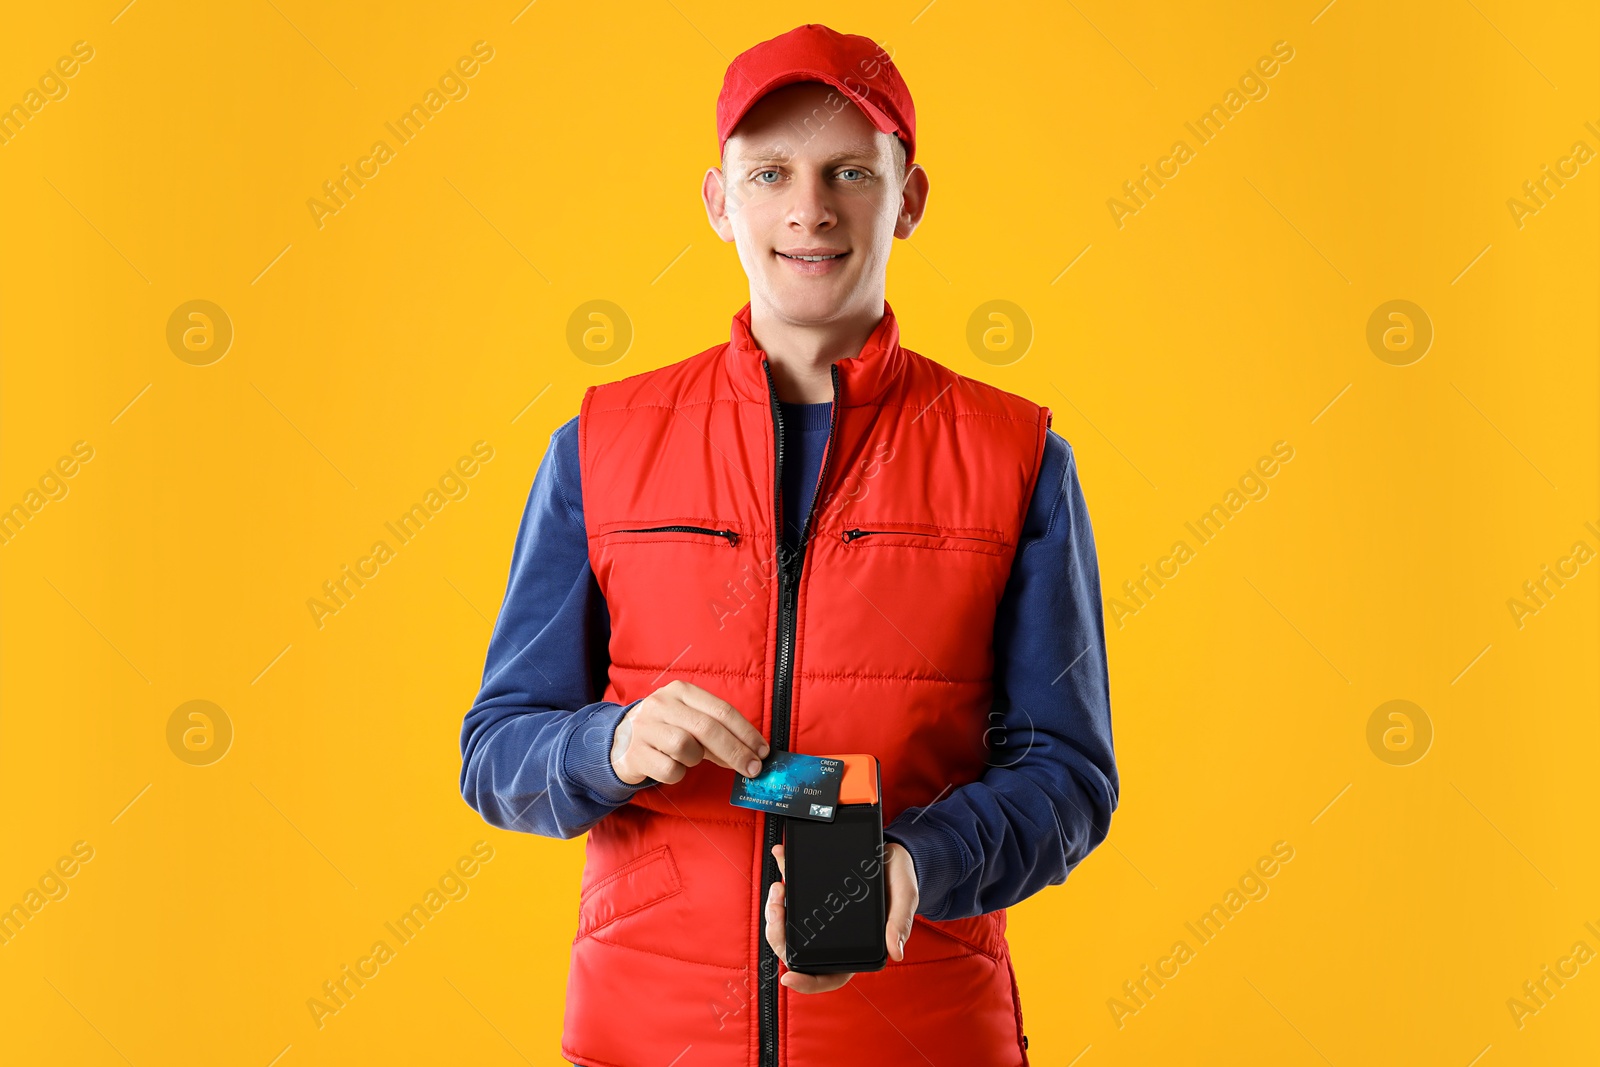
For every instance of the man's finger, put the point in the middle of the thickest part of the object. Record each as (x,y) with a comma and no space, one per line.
(729,716)
(775,921)
(667,736)
(689,736)
(903,900)
(658,764)
(814,983)
(895,934)
(722,746)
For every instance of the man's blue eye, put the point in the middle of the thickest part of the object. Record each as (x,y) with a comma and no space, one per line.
(758,176)
(849,170)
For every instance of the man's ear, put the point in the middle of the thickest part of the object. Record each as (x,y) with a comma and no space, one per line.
(714,192)
(913,201)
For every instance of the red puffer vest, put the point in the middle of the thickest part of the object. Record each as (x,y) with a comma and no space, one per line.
(877,636)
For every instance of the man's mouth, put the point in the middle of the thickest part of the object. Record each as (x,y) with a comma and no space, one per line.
(815,259)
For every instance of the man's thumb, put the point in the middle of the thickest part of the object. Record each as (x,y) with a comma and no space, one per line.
(900,930)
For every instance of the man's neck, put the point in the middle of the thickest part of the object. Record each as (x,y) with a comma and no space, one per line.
(801,355)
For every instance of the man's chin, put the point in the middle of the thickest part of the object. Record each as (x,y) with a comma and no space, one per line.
(813,301)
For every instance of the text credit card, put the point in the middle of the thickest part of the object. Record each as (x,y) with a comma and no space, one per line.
(790,783)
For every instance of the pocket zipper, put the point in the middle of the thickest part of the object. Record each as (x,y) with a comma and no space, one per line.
(731,535)
(852,534)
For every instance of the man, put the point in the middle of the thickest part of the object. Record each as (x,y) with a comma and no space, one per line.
(809,538)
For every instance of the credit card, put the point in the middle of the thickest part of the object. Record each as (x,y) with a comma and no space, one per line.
(790,783)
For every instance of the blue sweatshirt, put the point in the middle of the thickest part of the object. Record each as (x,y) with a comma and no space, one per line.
(536,745)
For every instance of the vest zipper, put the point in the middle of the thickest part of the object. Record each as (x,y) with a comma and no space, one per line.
(852,534)
(731,535)
(790,565)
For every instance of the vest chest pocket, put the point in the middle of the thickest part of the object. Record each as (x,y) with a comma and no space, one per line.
(880,534)
(646,532)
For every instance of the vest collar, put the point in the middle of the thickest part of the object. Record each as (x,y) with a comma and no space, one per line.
(862,379)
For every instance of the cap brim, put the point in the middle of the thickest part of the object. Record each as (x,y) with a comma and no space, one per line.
(879,120)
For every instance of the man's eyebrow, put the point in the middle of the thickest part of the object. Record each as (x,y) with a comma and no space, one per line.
(866,152)
(855,151)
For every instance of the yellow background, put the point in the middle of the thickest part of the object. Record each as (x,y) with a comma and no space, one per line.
(431,311)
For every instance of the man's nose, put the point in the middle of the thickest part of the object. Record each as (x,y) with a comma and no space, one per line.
(811,204)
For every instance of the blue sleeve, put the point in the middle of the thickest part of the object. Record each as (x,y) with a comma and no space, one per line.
(536,746)
(1045,800)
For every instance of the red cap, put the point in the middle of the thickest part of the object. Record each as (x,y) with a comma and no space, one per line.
(854,65)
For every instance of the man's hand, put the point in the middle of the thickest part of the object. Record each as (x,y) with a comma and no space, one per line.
(900,882)
(675,728)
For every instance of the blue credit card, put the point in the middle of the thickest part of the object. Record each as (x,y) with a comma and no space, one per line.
(790,783)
